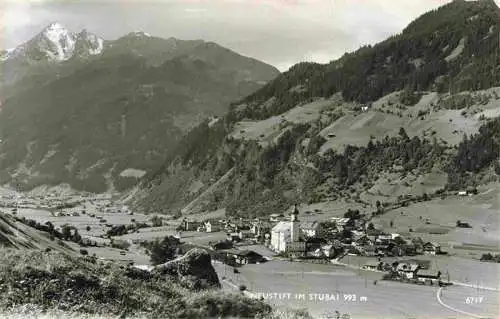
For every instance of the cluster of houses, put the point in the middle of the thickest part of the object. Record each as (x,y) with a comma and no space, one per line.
(417,271)
(348,235)
(289,236)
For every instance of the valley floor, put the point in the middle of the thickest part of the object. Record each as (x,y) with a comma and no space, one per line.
(302,285)
(324,289)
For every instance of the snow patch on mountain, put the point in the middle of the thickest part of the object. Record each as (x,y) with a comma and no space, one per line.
(56,43)
(141,34)
(62,40)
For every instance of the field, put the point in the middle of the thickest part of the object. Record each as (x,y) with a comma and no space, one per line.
(384,300)
(481,211)
(382,120)
(268,130)
(459,269)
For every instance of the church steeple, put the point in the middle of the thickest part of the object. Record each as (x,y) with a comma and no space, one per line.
(295,213)
(294,225)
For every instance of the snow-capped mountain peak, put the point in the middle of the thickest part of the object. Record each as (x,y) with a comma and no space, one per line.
(55,44)
(61,42)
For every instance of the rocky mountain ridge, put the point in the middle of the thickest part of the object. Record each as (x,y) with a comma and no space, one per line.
(101,122)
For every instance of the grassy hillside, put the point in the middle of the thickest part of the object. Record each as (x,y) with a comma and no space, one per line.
(14,234)
(453,48)
(55,282)
(322,132)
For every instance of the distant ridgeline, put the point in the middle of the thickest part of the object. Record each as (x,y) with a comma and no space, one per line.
(449,51)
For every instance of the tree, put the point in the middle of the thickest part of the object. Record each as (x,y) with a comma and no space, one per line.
(157,221)
(88,228)
(76,236)
(66,232)
(163,251)
(392,223)
(399,241)
(402,134)
(371,226)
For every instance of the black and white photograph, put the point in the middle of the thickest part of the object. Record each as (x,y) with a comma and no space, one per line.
(260,159)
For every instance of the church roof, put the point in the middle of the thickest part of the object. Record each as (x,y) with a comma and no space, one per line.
(281,227)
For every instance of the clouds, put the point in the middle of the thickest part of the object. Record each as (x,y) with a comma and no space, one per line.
(280,32)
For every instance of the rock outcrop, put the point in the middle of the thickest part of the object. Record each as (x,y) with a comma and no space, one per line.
(194,270)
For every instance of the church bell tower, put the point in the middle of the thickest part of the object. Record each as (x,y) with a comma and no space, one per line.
(294,227)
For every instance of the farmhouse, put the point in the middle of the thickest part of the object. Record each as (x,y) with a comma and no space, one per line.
(328,250)
(407,271)
(432,248)
(188,225)
(311,229)
(244,257)
(430,276)
(372,265)
(209,227)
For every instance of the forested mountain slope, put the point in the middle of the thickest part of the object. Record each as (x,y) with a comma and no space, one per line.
(387,120)
(100,122)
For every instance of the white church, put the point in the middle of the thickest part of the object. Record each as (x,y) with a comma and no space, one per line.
(285,236)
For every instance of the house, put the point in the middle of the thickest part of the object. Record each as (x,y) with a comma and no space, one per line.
(233,237)
(311,229)
(409,249)
(274,217)
(462,193)
(428,276)
(364,241)
(316,253)
(394,235)
(364,108)
(296,248)
(340,222)
(189,225)
(384,239)
(210,228)
(328,251)
(256,229)
(407,271)
(432,248)
(247,233)
(244,257)
(369,251)
(359,223)
(373,265)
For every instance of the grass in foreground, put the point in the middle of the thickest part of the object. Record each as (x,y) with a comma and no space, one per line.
(36,284)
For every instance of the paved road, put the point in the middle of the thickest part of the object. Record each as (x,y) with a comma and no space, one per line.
(438,296)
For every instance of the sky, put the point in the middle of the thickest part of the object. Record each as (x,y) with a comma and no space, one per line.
(279,32)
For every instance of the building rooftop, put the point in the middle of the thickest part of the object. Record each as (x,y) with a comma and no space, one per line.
(281,227)
(309,225)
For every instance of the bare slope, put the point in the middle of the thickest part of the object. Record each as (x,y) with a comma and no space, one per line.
(17,235)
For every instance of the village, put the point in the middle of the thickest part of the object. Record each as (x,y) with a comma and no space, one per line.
(288,238)
(302,250)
